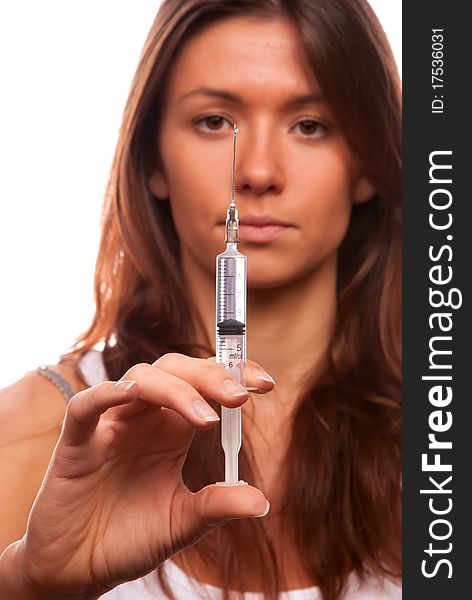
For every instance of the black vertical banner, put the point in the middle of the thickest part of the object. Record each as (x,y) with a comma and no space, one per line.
(437,154)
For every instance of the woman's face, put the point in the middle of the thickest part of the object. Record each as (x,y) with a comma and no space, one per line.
(296,179)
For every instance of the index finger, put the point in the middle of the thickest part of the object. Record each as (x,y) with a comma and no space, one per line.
(212,380)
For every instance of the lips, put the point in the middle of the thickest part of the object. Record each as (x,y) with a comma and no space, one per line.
(261,229)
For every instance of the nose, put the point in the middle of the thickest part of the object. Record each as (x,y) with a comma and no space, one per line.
(259,168)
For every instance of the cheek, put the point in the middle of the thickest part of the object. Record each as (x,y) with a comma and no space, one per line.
(194,195)
(179,170)
(186,184)
(330,202)
(193,173)
(191,215)
(189,161)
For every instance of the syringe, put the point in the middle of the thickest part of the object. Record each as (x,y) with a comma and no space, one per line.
(231,327)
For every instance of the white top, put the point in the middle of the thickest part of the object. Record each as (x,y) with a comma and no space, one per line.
(187,588)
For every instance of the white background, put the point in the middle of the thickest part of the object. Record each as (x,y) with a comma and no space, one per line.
(65,70)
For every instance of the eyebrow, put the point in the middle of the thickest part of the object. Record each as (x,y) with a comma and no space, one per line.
(307,99)
(315,98)
(213,93)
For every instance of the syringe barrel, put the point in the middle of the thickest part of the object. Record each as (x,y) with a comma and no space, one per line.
(231,311)
(231,345)
(231,286)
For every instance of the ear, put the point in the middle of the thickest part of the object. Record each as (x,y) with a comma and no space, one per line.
(364,190)
(158,186)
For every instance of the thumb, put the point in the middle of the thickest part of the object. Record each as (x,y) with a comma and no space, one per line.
(217,503)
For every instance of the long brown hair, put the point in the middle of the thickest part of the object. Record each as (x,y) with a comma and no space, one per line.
(341,486)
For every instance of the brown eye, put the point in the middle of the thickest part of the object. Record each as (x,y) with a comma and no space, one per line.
(214,122)
(311,128)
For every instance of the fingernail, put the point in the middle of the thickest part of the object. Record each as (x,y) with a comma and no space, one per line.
(205,412)
(266,510)
(231,484)
(233,388)
(261,374)
(124,386)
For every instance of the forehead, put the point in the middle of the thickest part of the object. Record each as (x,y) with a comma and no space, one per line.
(247,53)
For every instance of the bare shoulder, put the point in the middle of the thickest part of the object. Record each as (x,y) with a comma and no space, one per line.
(34,402)
(31,414)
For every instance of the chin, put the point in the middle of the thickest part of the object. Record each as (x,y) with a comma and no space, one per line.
(269,279)
(289,273)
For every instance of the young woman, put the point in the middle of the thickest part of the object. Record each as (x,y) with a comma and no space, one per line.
(312,86)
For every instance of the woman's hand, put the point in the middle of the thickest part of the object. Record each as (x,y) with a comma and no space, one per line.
(113,505)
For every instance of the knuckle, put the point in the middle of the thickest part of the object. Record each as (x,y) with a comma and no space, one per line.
(209,370)
(167,359)
(78,398)
(75,403)
(211,367)
(137,371)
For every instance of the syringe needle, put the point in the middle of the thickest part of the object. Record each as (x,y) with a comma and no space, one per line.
(235,132)
(232,221)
